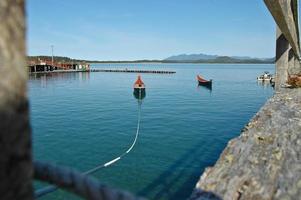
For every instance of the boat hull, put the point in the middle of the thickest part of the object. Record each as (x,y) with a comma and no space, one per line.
(207,86)
(264,79)
(205,83)
(139,93)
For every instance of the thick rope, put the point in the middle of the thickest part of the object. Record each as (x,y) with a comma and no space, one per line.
(43,191)
(85,186)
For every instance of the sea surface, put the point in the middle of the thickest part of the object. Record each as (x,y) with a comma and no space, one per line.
(85,119)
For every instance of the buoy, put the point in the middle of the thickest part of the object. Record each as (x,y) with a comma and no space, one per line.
(139,88)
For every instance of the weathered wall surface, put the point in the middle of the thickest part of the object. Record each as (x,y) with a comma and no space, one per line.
(15,144)
(264,162)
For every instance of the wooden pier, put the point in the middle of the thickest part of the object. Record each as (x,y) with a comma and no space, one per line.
(133,71)
(104,70)
(45,66)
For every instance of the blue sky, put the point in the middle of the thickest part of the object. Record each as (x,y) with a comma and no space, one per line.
(149,29)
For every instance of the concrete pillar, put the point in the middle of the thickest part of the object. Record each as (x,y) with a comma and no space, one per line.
(297,67)
(284,13)
(15,135)
(282,57)
(294,64)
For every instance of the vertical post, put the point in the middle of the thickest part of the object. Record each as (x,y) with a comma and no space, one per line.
(52,55)
(15,137)
(282,56)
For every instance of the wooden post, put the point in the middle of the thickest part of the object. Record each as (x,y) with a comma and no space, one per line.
(15,137)
(282,56)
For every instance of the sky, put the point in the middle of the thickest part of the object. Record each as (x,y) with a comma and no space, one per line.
(149,29)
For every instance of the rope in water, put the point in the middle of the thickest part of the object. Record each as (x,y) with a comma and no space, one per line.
(43,191)
(123,154)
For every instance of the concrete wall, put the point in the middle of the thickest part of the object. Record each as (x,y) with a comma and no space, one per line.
(264,162)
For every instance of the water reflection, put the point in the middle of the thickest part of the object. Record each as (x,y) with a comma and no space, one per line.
(207,88)
(265,84)
(45,78)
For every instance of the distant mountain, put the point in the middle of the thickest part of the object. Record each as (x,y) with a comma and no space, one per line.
(242,57)
(183,58)
(204,58)
(191,57)
(248,58)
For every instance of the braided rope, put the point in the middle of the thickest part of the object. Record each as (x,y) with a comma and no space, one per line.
(80,184)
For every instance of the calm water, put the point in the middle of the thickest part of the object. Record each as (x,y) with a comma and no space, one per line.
(84,119)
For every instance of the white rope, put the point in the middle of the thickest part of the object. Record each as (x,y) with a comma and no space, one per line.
(43,191)
(90,171)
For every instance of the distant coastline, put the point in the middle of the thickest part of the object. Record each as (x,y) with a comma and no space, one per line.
(216,60)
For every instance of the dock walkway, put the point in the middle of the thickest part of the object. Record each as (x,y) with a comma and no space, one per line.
(133,71)
(108,70)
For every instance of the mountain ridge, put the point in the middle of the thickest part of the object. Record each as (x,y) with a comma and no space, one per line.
(206,57)
(182,58)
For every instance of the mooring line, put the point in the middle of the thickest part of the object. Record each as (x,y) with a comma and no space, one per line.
(126,152)
(43,191)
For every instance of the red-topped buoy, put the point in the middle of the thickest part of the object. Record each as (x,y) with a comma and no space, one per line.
(139,83)
(139,88)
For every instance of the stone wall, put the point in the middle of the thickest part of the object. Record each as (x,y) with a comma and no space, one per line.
(264,162)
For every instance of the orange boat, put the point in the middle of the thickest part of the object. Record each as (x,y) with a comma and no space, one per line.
(203,81)
(139,88)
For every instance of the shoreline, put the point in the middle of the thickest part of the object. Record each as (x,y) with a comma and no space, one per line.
(246,63)
(191,63)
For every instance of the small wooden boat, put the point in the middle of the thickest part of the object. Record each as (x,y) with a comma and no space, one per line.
(139,88)
(204,82)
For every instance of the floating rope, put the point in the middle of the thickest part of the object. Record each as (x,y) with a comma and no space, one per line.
(126,152)
(43,191)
